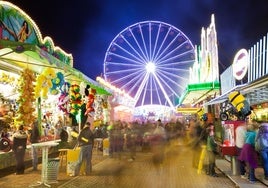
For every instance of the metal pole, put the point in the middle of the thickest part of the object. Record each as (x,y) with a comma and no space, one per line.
(234,165)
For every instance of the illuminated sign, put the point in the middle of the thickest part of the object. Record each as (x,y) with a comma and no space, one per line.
(240,64)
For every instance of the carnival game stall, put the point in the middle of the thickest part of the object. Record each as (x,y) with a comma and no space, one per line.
(38,81)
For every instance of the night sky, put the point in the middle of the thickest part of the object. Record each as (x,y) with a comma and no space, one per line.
(85,28)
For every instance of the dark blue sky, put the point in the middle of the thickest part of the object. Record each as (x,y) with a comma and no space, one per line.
(85,28)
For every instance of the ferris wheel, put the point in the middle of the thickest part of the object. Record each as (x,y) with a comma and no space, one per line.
(150,61)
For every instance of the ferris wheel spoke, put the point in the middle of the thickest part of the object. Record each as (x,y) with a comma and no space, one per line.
(171,81)
(151,90)
(132,47)
(128,82)
(137,80)
(169,87)
(163,90)
(176,56)
(144,92)
(123,64)
(176,69)
(140,59)
(138,44)
(168,82)
(166,48)
(123,58)
(150,41)
(156,42)
(161,46)
(157,92)
(163,58)
(143,42)
(171,64)
(128,74)
(141,87)
(127,71)
(172,75)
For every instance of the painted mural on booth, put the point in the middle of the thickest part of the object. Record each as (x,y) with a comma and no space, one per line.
(16,26)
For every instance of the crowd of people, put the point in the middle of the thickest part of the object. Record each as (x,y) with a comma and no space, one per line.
(123,137)
(252,149)
(127,136)
(251,143)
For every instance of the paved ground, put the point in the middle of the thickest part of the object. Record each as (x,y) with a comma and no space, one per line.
(116,173)
(143,173)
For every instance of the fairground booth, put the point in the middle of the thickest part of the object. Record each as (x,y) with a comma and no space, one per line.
(244,95)
(38,82)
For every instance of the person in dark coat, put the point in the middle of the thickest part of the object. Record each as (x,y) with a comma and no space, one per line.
(211,150)
(34,138)
(19,147)
(85,141)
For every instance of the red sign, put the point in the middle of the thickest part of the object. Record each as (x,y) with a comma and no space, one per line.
(240,64)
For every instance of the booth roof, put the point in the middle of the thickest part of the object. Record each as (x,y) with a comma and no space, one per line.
(16,56)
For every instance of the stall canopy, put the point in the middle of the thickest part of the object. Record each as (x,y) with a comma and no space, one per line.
(196,93)
(22,46)
(255,92)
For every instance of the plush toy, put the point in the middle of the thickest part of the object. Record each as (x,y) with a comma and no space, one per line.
(240,103)
(44,83)
(63,101)
(105,112)
(5,144)
(90,102)
(75,102)
(7,79)
(57,84)
(26,109)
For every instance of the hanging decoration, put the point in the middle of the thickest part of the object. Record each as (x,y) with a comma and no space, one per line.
(98,107)
(44,83)
(105,111)
(90,101)
(57,84)
(63,101)
(7,79)
(75,99)
(26,98)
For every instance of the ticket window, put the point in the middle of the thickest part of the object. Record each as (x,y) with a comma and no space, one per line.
(228,143)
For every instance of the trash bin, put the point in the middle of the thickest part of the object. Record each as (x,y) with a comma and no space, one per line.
(52,170)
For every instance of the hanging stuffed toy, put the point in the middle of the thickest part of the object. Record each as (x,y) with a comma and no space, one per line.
(75,99)
(63,101)
(44,83)
(26,107)
(105,112)
(90,100)
(57,83)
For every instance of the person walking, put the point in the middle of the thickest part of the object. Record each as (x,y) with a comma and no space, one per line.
(211,150)
(198,137)
(34,138)
(240,133)
(19,147)
(248,152)
(158,143)
(131,138)
(85,141)
(262,146)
